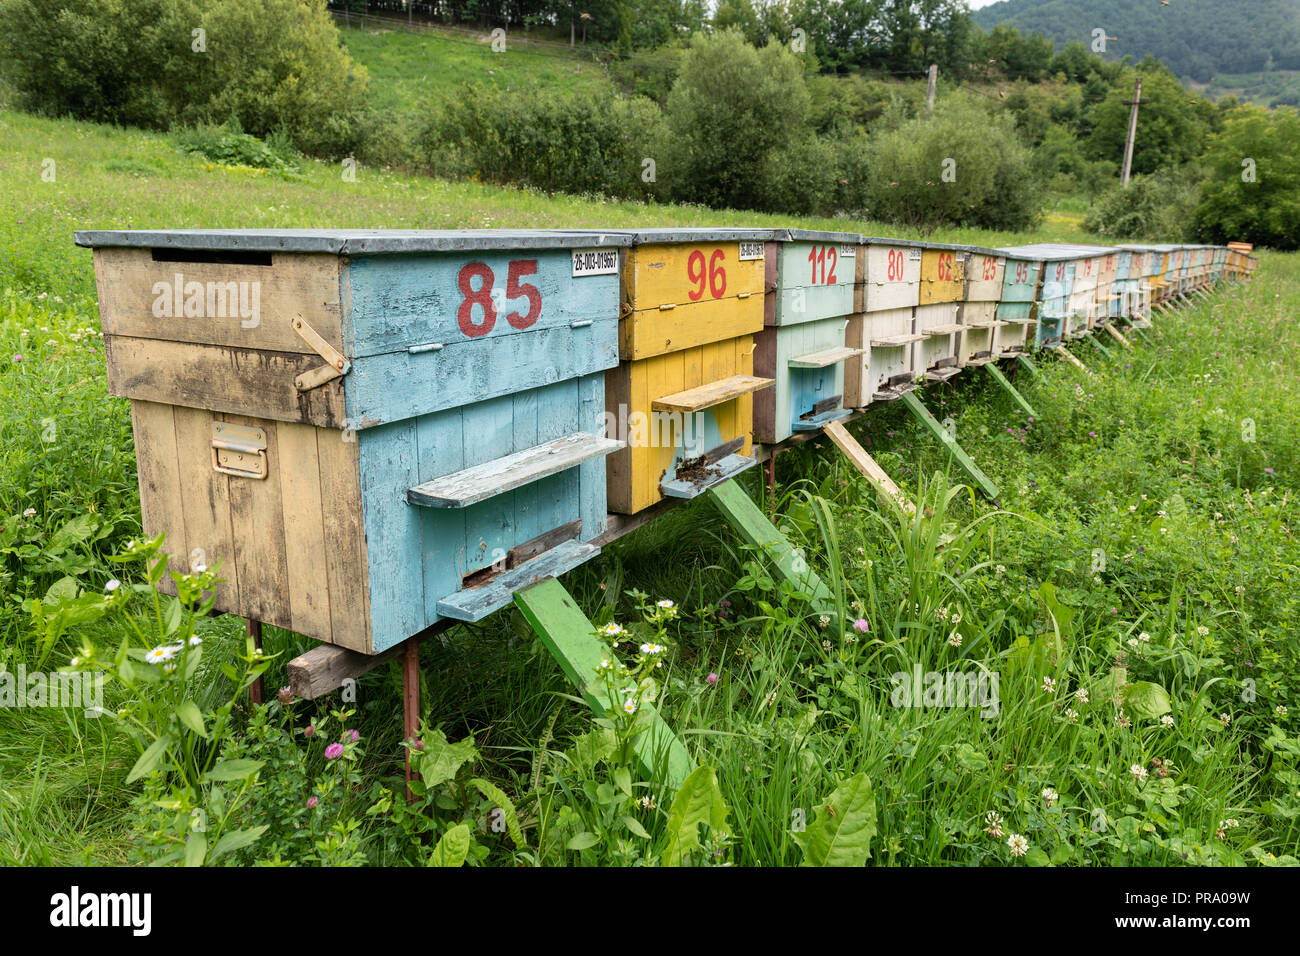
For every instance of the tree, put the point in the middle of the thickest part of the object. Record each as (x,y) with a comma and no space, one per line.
(1170,129)
(1253,189)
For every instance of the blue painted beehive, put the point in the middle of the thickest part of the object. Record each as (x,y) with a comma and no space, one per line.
(809,297)
(370,430)
(1052,298)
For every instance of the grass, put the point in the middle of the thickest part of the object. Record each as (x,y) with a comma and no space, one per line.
(1156,497)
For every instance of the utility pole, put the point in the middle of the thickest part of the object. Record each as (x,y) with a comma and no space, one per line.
(572,29)
(1132,133)
(929,90)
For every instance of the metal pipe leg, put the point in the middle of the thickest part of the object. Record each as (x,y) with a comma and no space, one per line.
(410,705)
(256,690)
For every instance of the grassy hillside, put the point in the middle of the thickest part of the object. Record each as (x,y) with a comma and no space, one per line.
(1195,38)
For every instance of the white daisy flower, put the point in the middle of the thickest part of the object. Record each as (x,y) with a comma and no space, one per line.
(612,630)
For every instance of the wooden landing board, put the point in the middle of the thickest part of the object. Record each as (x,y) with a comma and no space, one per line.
(469,486)
(571,638)
(896,341)
(824,358)
(714,393)
(741,512)
(915,406)
(862,461)
(948,329)
(1011,390)
(474,604)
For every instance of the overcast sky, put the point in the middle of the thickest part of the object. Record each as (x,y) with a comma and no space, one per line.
(976,4)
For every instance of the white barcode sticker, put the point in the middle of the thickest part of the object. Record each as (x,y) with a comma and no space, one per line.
(915,255)
(847,252)
(750,251)
(595,262)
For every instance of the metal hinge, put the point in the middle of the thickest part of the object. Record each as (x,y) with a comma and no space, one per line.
(337,362)
(238,450)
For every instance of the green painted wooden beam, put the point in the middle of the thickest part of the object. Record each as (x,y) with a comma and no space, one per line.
(1029,365)
(1101,348)
(571,639)
(1011,390)
(915,406)
(747,518)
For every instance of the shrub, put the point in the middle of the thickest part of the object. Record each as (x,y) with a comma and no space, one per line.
(993,182)
(1252,192)
(1152,207)
(270,64)
(233,147)
(576,142)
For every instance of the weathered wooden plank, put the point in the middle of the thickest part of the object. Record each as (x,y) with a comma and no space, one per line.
(825,357)
(239,381)
(304,529)
(947,328)
(476,603)
(710,394)
(1029,364)
(238,305)
(209,531)
(791,565)
(723,468)
(471,485)
(917,408)
(1070,357)
(257,526)
(867,465)
(344,559)
(162,499)
(323,669)
(571,639)
(892,341)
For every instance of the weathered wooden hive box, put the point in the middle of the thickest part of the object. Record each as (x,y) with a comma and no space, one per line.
(1131,289)
(1052,303)
(810,279)
(1217,264)
(888,288)
(1106,292)
(683,392)
(369,430)
(1157,276)
(981,327)
(1082,305)
(1016,304)
(938,312)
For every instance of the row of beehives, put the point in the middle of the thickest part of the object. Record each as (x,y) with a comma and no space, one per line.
(376,430)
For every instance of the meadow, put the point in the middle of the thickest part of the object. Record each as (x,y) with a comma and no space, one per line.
(1134,590)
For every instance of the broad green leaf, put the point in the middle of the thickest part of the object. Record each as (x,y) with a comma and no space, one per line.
(236,841)
(623,780)
(699,801)
(1062,854)
(452,848)
(969,758)
(633,824)
(196,848)
(1146,700)
(507,808)
(1064,615)
(841,832)
(1036,857)
(188,713)
(581,841)
(441,760)
(150,759)
(233,770)
(73,532)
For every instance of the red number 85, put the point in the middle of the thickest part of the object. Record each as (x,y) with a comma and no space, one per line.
(482,296)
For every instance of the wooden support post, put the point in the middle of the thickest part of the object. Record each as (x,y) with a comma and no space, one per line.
(1101,348)
(1029,364)
(1118,336)
(915,406)
(410,704)
(1132,133)
(1070,357)
(1011,390)
(571,638)
(791,565)
(878,477)
(256,690)
(930,85)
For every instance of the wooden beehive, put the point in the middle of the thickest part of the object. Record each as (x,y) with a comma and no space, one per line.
(810,279)
(683,392)
(408,427)
(1106,292)
(888,288)
(1052,294)
(1015,310)
(981,327)
(938,311)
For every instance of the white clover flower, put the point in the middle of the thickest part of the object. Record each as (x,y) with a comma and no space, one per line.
(823,622)
(993,824)
(1081,695)
(1167,721)
(1203,631)
(29,513)
(1124,721)
(954,639)
(1225,719)
(112,584)
(1138,771)
(1049,686)
(1280,710)
(1018,844)
(1001,569)
(1144,637)
(648,802)
(1132,642)
(1050,796)
(1072,715)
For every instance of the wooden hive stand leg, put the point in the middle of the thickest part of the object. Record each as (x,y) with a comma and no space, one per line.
(410,705)
(868,466)
(1011,390)
(1029,365)
(256,690)
(571,638)
(915,406)
(790,563)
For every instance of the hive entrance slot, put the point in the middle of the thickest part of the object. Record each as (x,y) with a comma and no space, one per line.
(221,257)
(522,553)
